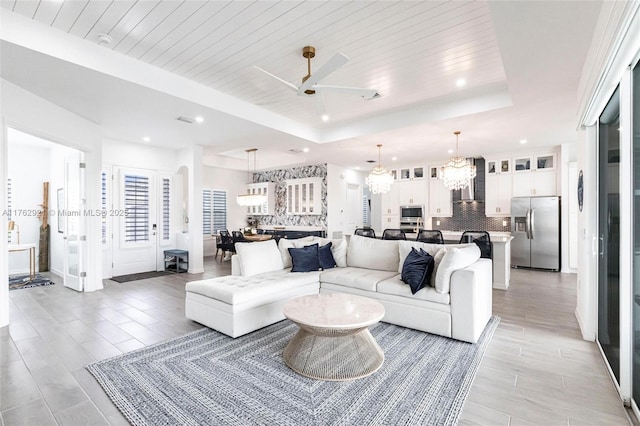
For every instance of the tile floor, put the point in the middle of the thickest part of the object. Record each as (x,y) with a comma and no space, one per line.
(537,369)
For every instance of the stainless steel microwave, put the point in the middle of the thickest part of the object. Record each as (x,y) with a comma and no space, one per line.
(411,213)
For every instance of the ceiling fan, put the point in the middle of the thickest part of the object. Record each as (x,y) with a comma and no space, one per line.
(310,82)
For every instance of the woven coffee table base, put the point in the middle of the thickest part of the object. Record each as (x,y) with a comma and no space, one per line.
(333,354)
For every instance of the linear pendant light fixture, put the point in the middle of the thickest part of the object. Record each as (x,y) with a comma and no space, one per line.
(380,179)
(458,171)
(251,199)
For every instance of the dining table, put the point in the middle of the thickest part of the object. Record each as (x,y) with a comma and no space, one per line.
(258,237)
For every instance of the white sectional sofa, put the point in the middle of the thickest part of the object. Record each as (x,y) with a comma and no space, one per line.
(459,305)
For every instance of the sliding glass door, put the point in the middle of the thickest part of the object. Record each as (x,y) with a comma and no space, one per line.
(635,140)
(609,233)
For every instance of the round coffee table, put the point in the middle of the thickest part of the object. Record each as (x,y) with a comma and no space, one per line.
(333,342)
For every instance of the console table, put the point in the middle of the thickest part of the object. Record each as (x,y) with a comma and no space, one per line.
(31,248)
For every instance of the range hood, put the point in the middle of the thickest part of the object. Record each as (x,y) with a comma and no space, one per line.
(474,191)
(467,193)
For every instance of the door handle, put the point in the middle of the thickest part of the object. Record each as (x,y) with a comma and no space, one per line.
(601,246)
(532,219)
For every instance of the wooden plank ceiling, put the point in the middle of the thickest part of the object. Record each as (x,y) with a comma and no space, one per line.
(411,52)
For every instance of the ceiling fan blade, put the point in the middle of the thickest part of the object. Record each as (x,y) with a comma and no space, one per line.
(338,60)
(368,94)
(320,107)
(292,86)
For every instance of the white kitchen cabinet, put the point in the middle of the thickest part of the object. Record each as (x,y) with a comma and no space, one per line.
(498,194)
(535,183)
(411,173)
(535,175)
(390,221)
(304,196)
(439,195)
(262,188)
(498,166)
(412,192)
(389,201)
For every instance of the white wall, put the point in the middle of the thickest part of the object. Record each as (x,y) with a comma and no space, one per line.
(28,168)
(338,178)
(138,156)
(27,112)
(191,159)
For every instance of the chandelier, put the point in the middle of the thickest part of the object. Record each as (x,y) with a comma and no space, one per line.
(380,179)
(458,171)
(251,199)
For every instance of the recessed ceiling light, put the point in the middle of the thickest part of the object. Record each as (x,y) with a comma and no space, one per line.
(146,139)
(357,167)
(199,119)
(450,151)
(394,158)
(461,82)
(325,117)
(305,149)
(523,141)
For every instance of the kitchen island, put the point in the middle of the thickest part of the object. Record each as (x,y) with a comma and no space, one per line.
(501,242)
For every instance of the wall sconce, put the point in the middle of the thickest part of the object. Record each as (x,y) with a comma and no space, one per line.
(14,226)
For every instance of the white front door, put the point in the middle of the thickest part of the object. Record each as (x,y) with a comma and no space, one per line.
(134,220)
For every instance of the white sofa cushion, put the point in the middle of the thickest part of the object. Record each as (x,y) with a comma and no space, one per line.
(370,253)
(265,287)
(396,286)
(258,257)
(365,279)
(454,258)
(285,244)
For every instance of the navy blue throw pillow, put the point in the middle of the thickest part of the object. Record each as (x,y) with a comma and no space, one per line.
(417,269)
(326,257)
(305,259)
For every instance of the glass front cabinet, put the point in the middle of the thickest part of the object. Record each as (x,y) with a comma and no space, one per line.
(262,188)
(304,196)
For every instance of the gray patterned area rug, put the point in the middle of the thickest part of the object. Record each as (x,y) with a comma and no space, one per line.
(207,378)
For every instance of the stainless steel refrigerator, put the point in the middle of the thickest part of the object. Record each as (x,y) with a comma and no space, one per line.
(535,226)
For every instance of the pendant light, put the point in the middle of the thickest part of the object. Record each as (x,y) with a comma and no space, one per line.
(458,171)
(380,179)
(251,199)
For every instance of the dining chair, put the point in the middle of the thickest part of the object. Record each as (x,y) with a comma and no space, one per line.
(238,237)
(225,245)
(482,240)
(393,234)
(430,236)
(365,232)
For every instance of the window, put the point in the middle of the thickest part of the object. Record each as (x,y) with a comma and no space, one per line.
(136,204)
(166,209)
(103,204)
(365,210)
(214,211)
(207,211)
(219,211)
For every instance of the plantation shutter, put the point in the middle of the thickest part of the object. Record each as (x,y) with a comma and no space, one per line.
(9,207)
(136,204)
(166,216)
(103,204)
(365,210)
(219,211)
(207,205)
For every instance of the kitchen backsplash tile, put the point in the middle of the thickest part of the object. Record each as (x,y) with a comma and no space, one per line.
(470,216)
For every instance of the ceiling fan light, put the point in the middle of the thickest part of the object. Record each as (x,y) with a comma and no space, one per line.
(325,117)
